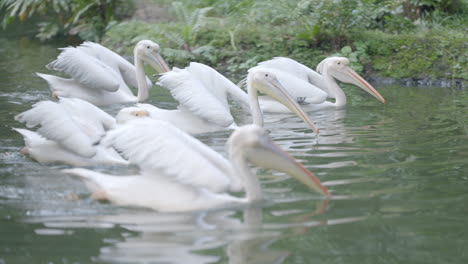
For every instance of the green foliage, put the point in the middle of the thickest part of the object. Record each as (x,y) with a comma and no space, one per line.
(123,36)
(191,21)
(437,55)
(327,23)
(357,57)
(416,9)
(376,35)
(88,19)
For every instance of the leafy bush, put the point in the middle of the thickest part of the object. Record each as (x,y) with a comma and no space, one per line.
(88,19)
(436,55)
(376,35)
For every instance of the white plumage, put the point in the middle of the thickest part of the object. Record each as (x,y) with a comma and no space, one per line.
(194,96)
(71,126)
(100,76)
(178,173)
(160,148)
(298,70)
(202,94)
(90,70)
(297,87)
(265,80)
(311,88)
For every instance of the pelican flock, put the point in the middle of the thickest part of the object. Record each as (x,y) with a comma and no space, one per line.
(176,172)
(202,93)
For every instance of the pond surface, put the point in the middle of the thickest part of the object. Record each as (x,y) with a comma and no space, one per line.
(398,173)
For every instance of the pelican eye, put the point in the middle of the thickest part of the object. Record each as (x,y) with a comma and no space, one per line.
(148,47)
(266,74)
(339,62)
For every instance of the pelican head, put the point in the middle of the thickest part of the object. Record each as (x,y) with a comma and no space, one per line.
(148,51)
(265,81)
(130,113)
(338,67)
(253,144)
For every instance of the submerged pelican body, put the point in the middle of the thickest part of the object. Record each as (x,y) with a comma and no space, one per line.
(101,76)
(179,173)
(310,88)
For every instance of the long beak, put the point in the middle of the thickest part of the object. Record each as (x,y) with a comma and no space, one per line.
(158,63)
(278,92)
(268,155)
(359,81)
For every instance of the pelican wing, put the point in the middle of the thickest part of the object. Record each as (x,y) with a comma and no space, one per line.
(192,95)
(297,69)
(297,87)
(160,148)
(114,60)
(86,69)
(30,138)
(56,124)
(218,85)
(91,119)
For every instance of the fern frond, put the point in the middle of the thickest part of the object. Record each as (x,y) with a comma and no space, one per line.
(175,38)
(176,54)
(198,18)
(181,12)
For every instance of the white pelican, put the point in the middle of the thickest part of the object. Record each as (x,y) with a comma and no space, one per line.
(69,132)
(179,174)
(303,83)
(202,93)
(265,80)
(101,76)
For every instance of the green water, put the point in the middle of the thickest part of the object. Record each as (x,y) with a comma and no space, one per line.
(398,173)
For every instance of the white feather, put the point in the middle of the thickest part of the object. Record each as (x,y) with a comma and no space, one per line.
(152,191)
(218,85)
(92,120)
(203,92)
(297,87)
(192,94)
(183,119)
(161,149)
(113,60)
(297,69)
(57,125)
(87,70)
(74,124)
(99,75)
(63,87)
(48,151)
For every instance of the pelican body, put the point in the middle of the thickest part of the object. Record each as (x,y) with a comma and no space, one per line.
(69,132)
(101,76)
(310,88)
(203,93)
(193,177)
